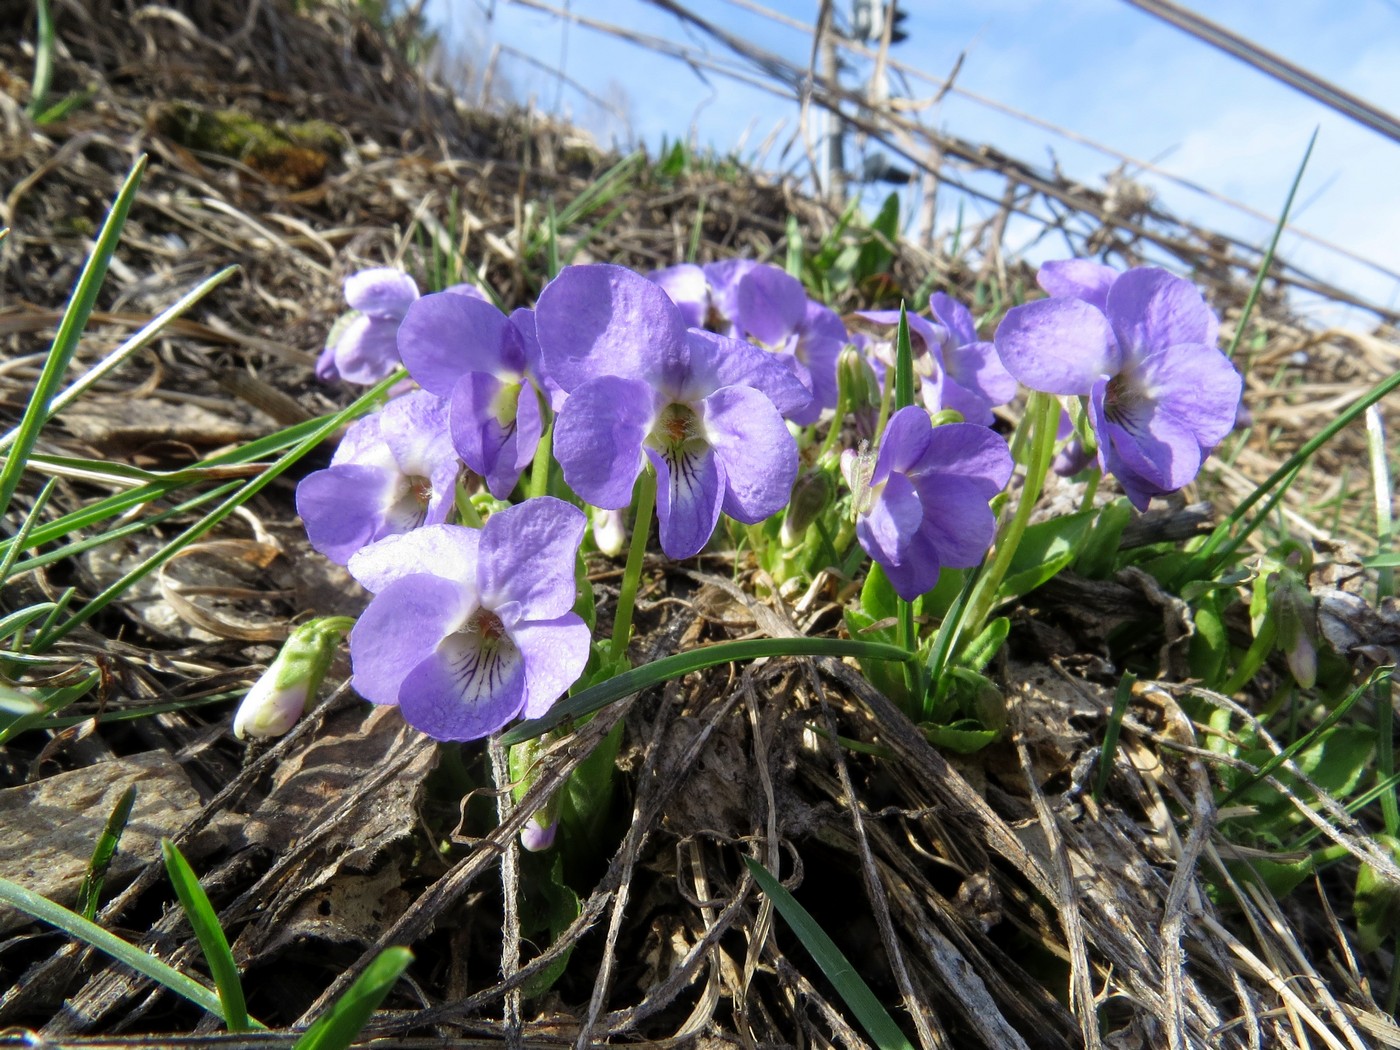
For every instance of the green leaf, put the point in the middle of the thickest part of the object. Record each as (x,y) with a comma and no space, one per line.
(45,910)
(963,738)
(979,652)
(1098,549)
(343,1022)
(1043,550)
(599,696)
(205,922)
(588,794)
(854,992)
(903,364)
(90,892)
(70,330)
(877,598)
(548,907)
(1210,644)
(1377,901)
(875,254)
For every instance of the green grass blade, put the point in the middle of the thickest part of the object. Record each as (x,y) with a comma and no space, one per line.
(205,922)
(1121,699)
(70,329)
(21,618)
(7,560)
(854,992)
(73,924)
(142,338)
(43,59)
(1269,254)
(47,703)
(1305,741)
(1383,487)
(343,1022)
(1222,534)
(697,233)
(597,697)
(90,892)
(246,492)
(77,547)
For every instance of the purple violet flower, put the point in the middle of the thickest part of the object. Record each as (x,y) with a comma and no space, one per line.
(707,296)
(486,365)
(955,369)
(394,471)
(1160,393)
(925,504)
(361,347)
(706,410)
(469,628)
(773,312)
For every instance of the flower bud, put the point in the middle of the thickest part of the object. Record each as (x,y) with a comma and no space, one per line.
(609,531)
(859,386)
(537,837)
(810,496)
(278,698)
(538,833)
(1296,620)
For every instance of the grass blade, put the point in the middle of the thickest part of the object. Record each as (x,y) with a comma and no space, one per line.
(73,924)
(1269,254)
(338,1027)
(1217,546)
(142,338)
(43,60)
(314,437)
(90,892)
(597,697)
(854,992)
(7,560)
(1305,741)
(70,329)
(1110,736)
(205,922)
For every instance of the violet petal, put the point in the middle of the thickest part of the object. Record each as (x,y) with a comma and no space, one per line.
(556,652)
(449,551)
(598,438)
(1077,279)
(1059,346)
(690,486)
(383,651)
(467,688)
(1151,309)
(604,320)
(758,453)
(527,555)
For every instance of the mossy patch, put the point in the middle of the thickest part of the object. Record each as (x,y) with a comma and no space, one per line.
(291,155)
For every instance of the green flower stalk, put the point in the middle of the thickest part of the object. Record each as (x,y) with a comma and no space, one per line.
(280,696)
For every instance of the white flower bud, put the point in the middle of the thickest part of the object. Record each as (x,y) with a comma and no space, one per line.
(278,698)
(609,531)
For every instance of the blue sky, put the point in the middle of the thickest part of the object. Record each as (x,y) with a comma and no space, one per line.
(1100,68)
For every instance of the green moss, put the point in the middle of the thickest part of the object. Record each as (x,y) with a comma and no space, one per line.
(294,155)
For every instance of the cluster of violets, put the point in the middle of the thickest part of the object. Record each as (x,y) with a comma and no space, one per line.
(711,377)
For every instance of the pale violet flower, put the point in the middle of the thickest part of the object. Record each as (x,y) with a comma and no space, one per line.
(704,410)
(470,628)
(1140,347)
(362,347)
(394,471)
(923,506)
